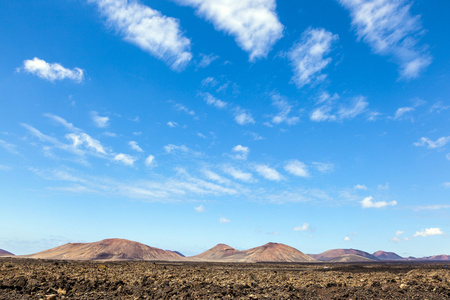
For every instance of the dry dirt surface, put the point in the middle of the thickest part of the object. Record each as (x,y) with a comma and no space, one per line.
(51,279)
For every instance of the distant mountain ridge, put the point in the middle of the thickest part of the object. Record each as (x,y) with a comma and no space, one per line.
(109,249)
(121,249)
(5,253)
(270,252)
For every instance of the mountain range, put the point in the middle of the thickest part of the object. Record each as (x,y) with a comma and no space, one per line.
(121,249)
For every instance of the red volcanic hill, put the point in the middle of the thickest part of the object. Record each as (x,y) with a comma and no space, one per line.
(383,255)
(218,252)
(270,252)
(5,253)
(439,257)
(335,253)
(109,249)
(347,258)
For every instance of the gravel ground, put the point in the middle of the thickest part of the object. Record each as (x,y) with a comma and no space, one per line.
(47,279)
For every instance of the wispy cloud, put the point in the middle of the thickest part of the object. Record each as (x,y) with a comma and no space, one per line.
(86,141)
(206,60)
(323,167)
(303,227)
(69,126)
(243,117)
(308,56)
(125,159)
(254,24)
(148,29)
(150,160)
(214,176)
(181,107)
(224,220)
(297,168)
(369,203)
(199,208)
(172,124)
(402,112)
(99,121)
(134,145)
(238,174)
(211,100)
(241,152)
(360,187)
(284,110)
(11,148)
(356,107)
(174,148)
(268,173)
(430,144)
(390,29)
(429,232)
(51,71)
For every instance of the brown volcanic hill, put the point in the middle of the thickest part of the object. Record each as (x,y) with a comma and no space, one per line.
(439,257)
(274,252)
(218,252)
(335,253)
(383,255)
(270,252)
(109,249)
(350,258)
(5,253)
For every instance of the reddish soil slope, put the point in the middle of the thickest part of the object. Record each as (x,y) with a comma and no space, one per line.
(350,258)
(439,257)
(335,253)
(5,253)
(383,255)
(109,249)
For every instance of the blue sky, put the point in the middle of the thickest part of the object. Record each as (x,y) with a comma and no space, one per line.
(182,124)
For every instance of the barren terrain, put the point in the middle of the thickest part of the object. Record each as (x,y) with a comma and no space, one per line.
(57,279)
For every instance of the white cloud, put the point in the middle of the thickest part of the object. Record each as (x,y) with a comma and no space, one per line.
(383,187)
(8,147)
(63,122)
(209,81)
(395,239)
(324,113)
(429,232)
(211,100)
(389,29)
(360,187)
(369,203)
(297,168)
(51,72)
(125,159)
(285,109)
(426,142)
(307,56)
(214,176)
(134,145)
(181,107)
(172,148)
(446,184)
(200,209)
(241,152)
(224,220)
(83,139)
(268,173)
(150,160)
(206,60)
(5,168)
(402,111)
(243,118)
(239,175)
(99,121)
(148,29)
(254,23)
(172,124)
(399,232)
(303,227)
(347,239)
(323,167)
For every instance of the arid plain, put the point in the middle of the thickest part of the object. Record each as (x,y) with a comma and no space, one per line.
(122,269)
